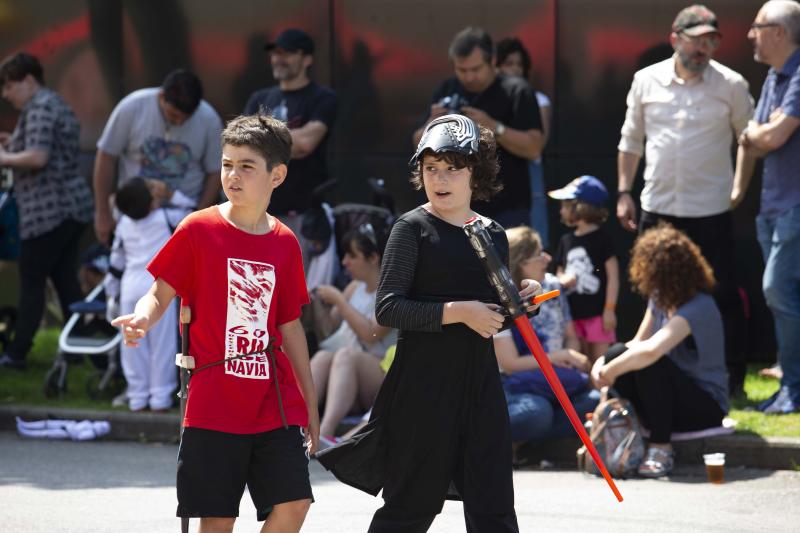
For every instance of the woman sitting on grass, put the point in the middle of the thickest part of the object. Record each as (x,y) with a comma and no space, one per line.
(673,370)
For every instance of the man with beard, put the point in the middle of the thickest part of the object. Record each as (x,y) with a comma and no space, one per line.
(683,115)
(309,110)
(774,135)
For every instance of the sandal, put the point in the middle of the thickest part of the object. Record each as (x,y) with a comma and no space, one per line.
(658,462)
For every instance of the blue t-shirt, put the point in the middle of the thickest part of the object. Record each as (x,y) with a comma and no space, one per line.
(701,355)
(549,325)
(781,181)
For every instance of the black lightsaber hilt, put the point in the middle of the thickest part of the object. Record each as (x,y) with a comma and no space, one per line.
(496,271)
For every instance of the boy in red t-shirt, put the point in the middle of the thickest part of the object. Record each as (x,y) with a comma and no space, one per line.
(240,271)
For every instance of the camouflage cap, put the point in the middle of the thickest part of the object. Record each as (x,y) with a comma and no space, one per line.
(695,20)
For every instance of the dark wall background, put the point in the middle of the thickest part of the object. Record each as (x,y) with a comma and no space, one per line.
(384,57)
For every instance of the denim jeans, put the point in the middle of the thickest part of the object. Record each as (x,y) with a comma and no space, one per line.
(536,418)
(539,220)
(779,238)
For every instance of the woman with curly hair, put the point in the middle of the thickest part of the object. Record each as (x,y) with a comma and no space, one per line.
(673,370)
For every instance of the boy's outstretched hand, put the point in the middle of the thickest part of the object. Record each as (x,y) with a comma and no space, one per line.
(133,328)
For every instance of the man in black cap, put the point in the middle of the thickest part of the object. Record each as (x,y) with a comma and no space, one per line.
(309,110)
(683,115)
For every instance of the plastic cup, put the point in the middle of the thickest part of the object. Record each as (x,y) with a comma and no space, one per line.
(715,467)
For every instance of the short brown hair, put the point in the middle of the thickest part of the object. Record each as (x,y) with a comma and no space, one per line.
(483,165)
(265,134)
(668,267)
(523,243)
(591,214)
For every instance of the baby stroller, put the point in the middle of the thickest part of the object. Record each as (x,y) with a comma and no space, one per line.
(87,332)
(324,228)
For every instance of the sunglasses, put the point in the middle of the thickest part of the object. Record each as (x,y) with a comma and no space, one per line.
(368,231)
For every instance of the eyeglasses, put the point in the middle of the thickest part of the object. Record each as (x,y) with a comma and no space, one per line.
(711,41)
(759,25)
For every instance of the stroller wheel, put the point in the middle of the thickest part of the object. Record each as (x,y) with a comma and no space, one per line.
(54,385)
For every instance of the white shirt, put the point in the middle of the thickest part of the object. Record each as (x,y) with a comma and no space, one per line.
(690,128)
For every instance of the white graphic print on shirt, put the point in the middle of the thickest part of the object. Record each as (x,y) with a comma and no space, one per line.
(250,287)
(580,264)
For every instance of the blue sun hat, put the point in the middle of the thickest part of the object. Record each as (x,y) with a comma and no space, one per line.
(584,188)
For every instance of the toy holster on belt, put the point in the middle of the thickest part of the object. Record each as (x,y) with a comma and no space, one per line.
(187,364)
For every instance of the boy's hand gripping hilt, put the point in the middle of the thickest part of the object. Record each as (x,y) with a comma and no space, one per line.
(496,270)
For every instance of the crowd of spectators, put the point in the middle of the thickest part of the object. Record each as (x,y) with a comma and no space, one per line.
(159,157)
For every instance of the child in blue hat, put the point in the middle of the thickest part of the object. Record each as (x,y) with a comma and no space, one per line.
(586,264)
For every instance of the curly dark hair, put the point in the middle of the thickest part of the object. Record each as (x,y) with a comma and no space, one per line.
(668,267)
(483,165)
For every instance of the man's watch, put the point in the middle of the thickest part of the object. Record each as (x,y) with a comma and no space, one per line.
(499,129)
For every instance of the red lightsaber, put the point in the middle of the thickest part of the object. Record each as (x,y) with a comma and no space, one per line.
(501,280)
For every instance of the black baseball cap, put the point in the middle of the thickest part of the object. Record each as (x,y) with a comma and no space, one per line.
(695,20)
(292,40)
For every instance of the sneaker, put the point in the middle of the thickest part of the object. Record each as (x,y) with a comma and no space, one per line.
(120,400)
(657,462)
(781,403)
(327,441)
(6,361)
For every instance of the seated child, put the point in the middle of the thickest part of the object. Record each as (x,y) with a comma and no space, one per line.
(533,409)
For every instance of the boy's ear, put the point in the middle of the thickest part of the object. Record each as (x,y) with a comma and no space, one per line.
(278,174)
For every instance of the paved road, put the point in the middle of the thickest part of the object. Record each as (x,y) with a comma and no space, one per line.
(51,486)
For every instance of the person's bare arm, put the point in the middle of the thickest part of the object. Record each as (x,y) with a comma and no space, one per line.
(366,329)
(627,163)
(105,166)
(571,340)
(210,194)
(771,135)
(641,354)
(147,312)
(612,293)
(508,358)
(745,165)
(645,326)
(33,158)
(296,349)
(523,143)
(306,139)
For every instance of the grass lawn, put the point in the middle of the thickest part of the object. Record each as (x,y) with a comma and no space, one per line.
(26,388)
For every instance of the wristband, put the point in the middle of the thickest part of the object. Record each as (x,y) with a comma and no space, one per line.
(610,307)
(620,193)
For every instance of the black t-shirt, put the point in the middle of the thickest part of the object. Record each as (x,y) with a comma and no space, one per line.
(512,101)
(297,108)
(585,256)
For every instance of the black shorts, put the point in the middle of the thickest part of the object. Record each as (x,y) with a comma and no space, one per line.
(214,467)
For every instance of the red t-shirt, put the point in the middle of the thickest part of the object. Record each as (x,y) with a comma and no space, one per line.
(240,287)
